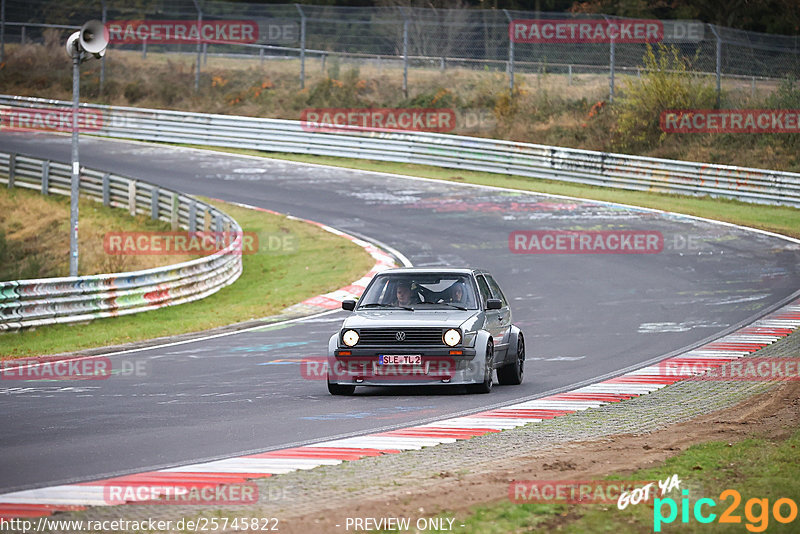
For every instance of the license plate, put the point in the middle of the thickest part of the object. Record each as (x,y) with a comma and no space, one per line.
(400,359)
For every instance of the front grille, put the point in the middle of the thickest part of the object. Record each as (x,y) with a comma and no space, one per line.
(388,336)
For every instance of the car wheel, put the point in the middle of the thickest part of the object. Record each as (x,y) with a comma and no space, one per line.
(486,385)
(340,389)
(511,374)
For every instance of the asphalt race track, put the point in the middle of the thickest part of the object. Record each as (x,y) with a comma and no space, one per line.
(584,315)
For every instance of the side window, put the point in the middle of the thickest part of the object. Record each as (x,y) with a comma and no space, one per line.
(496,290)
(484,289)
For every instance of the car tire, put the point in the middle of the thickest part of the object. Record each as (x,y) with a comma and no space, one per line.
(486,385)
(341,389)
(512,374)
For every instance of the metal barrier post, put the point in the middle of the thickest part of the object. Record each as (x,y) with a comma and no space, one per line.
(45,177)
(193,216)
(107,189)
(174,214)
(154,203)
(12,169)
(132,197)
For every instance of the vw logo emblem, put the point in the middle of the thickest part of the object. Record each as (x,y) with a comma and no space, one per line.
(400,336)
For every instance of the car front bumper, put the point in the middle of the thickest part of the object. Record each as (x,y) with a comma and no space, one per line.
(439,366)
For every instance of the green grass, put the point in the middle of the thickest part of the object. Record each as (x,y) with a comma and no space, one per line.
(271,281)
(757,468)
(781,219)
(34,236)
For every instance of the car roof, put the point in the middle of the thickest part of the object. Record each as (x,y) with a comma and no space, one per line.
(430,270)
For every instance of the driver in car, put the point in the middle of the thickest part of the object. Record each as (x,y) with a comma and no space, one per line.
(405,297)
(457,294)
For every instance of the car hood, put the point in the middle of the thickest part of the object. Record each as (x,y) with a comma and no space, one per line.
(408,319)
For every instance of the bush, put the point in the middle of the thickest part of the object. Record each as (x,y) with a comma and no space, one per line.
(666,83)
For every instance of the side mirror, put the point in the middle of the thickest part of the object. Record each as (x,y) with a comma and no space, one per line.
(494,304)
(349,305)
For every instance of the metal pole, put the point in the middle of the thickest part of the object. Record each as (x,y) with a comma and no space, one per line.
(2,31)
(510,53)
(719,69)
(103,59)
(199,46)
(74,184)
(611,77)
(405,55)
(302,46)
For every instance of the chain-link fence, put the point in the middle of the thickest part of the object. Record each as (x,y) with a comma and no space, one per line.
(414,38)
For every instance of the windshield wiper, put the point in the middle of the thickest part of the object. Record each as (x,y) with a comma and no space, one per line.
(444,304)
(381,305)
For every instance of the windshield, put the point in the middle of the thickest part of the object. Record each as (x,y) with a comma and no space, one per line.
(420,291)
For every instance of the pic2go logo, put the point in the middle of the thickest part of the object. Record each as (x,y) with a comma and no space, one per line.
(758,521)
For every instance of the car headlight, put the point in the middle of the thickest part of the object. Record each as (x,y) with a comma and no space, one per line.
(452,337)
(350,338)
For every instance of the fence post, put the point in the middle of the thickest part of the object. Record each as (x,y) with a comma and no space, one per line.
(154,203)
(302,46)
(132,197)
(510,53)
(199,46)
(569,79)
(12,169)
(719,66)
(218,229)
(46,177)
(193,216)
(405,53)
(144,48)
(261,55)
(611,75)
(107,189)
(22,36)
(174,215)
(2,31)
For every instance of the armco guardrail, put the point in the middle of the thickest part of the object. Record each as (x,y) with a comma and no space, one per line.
(452,151)
(27,303)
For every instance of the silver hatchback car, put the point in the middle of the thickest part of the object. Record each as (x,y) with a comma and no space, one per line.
(427,326)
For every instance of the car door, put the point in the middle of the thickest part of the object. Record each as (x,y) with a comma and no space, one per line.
(504,315)
(493,322)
